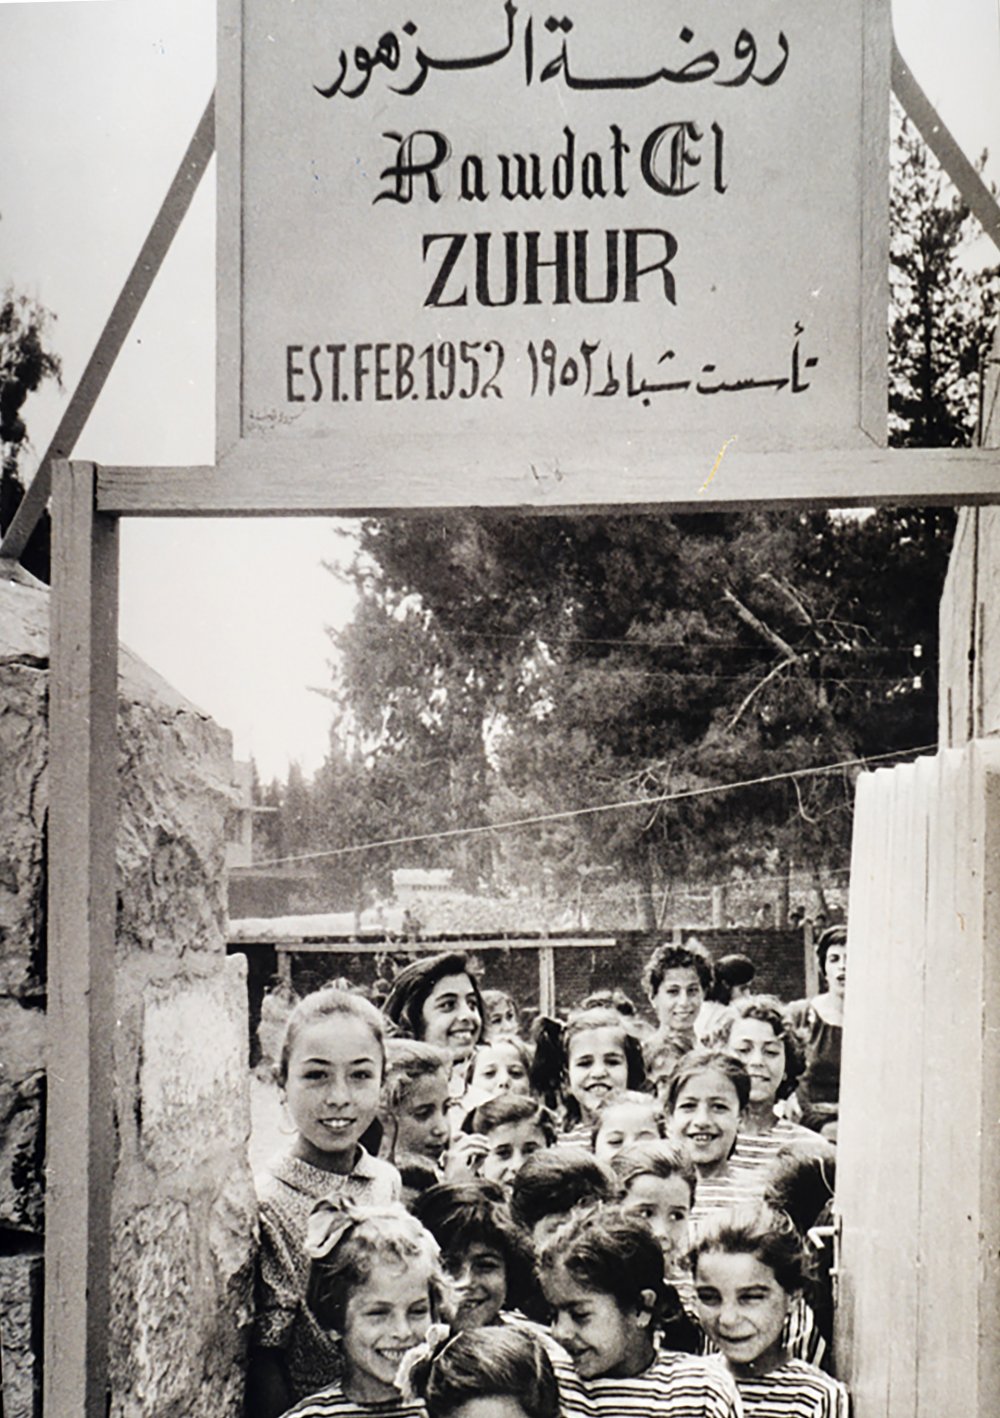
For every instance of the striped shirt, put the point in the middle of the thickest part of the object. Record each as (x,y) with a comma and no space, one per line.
(793,1390)
(737,1185)
(674,1386)
(757,1150)
(333,1401)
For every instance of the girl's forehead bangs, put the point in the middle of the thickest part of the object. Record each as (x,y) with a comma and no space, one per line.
(381,1239)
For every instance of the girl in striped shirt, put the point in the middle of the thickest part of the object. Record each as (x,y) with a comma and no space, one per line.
(602,1274)
(375,1285)
(748,1268)
(706,1101)
(763,1041)
(600,1059)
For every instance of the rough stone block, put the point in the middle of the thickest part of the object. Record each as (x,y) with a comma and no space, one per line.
(193,1078)
(22,1144)
(20,1333)
(23,755)
(175,789)
(178,1343)
(154,1292)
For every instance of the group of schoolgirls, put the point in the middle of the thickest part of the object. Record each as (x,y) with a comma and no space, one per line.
(466,1226)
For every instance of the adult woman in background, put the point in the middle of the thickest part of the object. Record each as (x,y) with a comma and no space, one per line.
(819,1024)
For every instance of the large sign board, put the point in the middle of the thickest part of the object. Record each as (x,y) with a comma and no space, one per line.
(480,233)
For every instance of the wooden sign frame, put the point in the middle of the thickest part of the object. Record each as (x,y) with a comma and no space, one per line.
(548,472)
(86,505)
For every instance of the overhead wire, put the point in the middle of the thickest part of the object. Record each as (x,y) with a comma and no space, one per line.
(568,814)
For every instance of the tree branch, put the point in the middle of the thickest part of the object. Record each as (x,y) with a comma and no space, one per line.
(782,665)
(764,631)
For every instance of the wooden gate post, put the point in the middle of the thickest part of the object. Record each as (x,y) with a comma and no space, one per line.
(82,819)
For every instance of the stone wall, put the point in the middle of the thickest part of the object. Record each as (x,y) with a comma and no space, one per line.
(183,1212)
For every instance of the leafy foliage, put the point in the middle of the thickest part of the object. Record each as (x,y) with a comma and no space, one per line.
(510,667)
(25,363)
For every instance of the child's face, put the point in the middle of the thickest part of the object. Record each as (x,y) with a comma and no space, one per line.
(499,1068)
(705,1120)
(502,1018)
(479,1276)
(679,999)
(332,1089)
(664,1203)
(384,1318)
(625,1123)
(422,1128)
(741,1305)
(599,1336)
(835,969)
(596,1068)
(509,1145)
(762,1054)
(450,1016)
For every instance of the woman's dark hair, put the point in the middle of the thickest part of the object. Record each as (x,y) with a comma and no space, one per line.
(833,935)
(692,955)
(769,1010)
(511,1108)
(545,1074)
(702,1061)
(461,1214)
(497,1362)
(759,1231)
(551,1183)
(584,1019)
(405,1002)
(728,972)
(801,1180)
(613,1254)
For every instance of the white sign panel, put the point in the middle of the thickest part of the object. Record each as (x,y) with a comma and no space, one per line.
(490,228)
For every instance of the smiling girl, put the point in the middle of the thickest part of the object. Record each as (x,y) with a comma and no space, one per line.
(437,999)
(375,1287)
(330,1074)
(513,1129)
(706,1100)
(677,978)
(487,1259)
(602,1274)
(748,1269)
(601,1059)
(762,1040)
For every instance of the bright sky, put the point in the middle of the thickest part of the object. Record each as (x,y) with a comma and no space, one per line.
(98,101)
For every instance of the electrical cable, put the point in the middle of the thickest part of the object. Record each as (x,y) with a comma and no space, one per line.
(568,814)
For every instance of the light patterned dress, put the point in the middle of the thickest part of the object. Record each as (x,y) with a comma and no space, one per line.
(287,1191)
